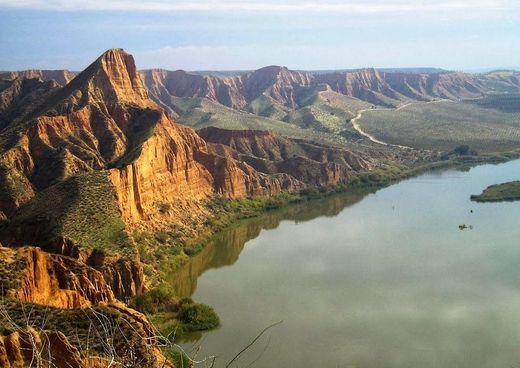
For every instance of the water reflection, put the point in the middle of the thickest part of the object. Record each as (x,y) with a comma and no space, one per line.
(225,248)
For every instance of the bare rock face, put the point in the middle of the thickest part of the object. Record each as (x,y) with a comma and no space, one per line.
(451,86)
(303,163)
(125,277)
(101,336)
(87,125)
(53,280)
(278,83)
(163,84)
(290,89)
(46,349)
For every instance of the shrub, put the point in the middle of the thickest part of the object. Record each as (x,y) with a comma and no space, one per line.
(461,150)
(158,299)
(197,317)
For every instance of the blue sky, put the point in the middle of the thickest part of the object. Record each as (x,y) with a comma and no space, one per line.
(248,34)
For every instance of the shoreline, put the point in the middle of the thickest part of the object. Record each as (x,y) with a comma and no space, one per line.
(369,180)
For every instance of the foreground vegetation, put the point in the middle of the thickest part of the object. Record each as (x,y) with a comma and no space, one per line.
(499,193)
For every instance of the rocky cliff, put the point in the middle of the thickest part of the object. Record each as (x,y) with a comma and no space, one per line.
(31,348)
(306,162)
(278,83)
(281,88)
(18,96)
(50,279)
(99,336)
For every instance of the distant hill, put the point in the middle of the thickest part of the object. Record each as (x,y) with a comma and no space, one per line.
(312,104)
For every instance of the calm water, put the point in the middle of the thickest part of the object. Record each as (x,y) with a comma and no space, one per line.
(385,279)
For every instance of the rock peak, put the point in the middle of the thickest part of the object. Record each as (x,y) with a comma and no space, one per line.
(111,79)
(116,75)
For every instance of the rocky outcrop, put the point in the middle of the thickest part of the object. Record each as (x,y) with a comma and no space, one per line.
(175,167)
(366,84)
(53,280)
(46,349)
(278,83)
(421,87)
(304,162)
(87,338)
(163,84)
(125,277)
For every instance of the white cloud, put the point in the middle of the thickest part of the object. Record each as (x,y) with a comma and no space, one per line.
(329,6)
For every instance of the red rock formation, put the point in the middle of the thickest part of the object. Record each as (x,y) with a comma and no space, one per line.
(237,92)
(289,88)
(163,84)
(46,349)
(103,119)
(303,162)
(55,280)
(440,85)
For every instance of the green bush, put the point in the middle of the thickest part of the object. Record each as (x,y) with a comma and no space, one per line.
(197,317)
(158,299)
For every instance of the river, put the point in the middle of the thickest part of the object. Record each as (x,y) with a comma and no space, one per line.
(384,279)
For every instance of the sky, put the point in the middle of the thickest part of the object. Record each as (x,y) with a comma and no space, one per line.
(248,34)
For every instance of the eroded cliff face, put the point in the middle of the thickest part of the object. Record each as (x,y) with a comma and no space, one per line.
(54,280)
(67,295)
(304,163)
(87,125)
(452,86)
(291,89)
(20,95)
(278,83)
(175,167)
(100,336)
(31,348)
(164,84)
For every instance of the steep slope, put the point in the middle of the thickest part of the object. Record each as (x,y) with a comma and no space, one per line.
(21,95)
(274,91)
(163,84)
(273,82)
(424,87)
(310,163)
(30,275)
(100,336)
(103,119)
